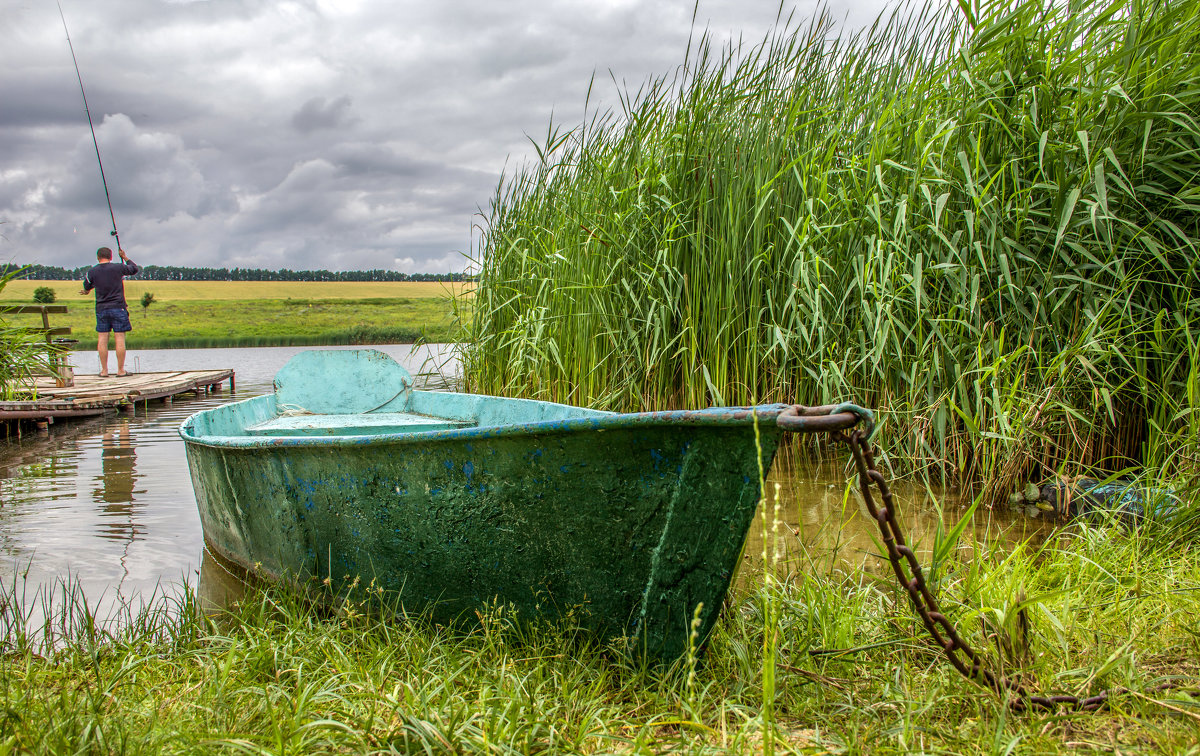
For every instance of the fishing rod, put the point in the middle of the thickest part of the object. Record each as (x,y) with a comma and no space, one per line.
(91,126)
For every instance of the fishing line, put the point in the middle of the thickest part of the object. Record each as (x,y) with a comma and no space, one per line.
(91,126)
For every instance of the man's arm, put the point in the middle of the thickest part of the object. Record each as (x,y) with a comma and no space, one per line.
(87,283)
(130,268)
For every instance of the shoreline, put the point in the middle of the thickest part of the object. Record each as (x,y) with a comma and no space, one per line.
(170,323)
(253,342)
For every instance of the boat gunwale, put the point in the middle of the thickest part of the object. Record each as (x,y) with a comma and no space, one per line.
(603,421)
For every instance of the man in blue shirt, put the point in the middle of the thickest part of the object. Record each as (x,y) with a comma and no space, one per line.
(112,313)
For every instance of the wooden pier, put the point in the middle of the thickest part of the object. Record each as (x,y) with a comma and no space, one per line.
(92,395)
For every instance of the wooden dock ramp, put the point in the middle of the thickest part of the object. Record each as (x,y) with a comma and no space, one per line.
(93,395)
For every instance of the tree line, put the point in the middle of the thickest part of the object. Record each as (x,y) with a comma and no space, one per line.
(180,273)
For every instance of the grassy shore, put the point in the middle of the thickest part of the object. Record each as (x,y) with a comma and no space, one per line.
(250,314)
(853,670)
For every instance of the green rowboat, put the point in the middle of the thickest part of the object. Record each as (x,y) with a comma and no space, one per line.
(455,502)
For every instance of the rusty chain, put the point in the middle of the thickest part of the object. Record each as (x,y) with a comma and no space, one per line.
(846,422)
(960,654)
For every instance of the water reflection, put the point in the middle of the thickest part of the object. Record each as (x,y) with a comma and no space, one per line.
(114,486)
(106,503)
(824,525)
(220,585)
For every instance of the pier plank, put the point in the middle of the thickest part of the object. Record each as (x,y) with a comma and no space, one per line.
(91,394)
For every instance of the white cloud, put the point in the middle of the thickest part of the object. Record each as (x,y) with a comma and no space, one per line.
(453,262)
(307,133)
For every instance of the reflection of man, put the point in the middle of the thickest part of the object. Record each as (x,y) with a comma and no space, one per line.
(112,313)
(114,494)
(117,462)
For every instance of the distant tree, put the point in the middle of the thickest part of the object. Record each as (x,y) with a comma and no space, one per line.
(178,273)
(147,300)
(44,295)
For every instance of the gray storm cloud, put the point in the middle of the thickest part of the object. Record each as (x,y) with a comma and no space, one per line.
(319,113)
(312,134)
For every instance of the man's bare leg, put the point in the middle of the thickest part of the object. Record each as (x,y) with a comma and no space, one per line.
(120,339)
(102,351)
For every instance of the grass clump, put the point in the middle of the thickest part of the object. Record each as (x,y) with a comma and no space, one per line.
(978,217)
(852,671)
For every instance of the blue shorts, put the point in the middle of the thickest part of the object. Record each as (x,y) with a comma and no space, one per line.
(113,320)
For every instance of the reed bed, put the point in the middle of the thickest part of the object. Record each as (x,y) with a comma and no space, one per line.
(979,217)
(850,670)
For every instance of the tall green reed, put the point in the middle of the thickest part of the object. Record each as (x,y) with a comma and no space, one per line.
(980,218)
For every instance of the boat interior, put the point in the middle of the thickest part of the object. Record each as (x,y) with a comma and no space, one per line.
(359,392)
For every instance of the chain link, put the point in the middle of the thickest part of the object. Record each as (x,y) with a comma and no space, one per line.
(854,426)
(960,654)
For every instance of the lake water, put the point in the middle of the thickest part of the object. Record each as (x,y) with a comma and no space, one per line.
(108,501)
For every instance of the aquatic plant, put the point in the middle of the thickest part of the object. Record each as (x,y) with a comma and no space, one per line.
(978,217)
(22,354)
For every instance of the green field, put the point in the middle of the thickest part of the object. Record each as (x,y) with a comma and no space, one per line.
(197,323)
(68,291)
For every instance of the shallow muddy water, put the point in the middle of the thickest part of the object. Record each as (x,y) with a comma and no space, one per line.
(824,524)
(108,502)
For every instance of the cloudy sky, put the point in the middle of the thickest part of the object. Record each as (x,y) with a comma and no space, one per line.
(338,134)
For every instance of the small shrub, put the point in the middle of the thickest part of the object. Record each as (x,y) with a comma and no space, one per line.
(44,295)
(147,300)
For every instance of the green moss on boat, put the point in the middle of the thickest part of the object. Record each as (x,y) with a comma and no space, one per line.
(459,501)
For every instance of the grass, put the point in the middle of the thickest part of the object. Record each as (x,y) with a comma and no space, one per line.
(979,218)
(196,323)
(853,672)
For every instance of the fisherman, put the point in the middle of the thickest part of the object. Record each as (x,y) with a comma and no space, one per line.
(112,313)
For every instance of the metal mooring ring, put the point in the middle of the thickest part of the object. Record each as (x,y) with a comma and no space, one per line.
(830,417)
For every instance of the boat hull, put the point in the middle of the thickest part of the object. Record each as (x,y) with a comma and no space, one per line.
(628,522)
(452,503)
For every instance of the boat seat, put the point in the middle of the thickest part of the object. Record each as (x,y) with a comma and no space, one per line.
(369,424)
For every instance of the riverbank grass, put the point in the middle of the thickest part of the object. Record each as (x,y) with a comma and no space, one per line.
(199,323)
(853,673)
